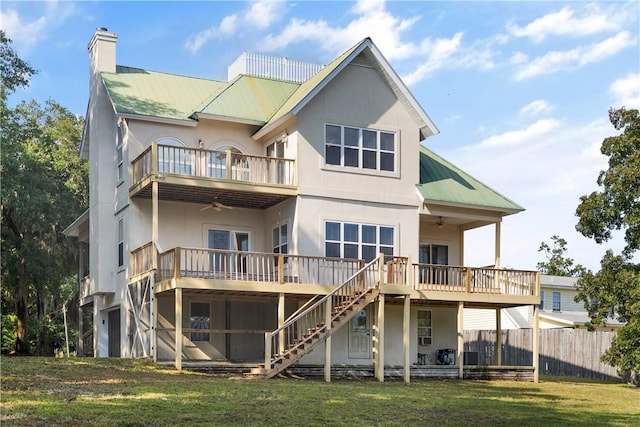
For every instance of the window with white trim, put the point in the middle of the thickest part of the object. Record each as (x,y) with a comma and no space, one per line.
(280,239)
(119,158)
(360,148)
(120,246)
(556,301)
(200,319)
(173,156)
(357,241)
(425,330)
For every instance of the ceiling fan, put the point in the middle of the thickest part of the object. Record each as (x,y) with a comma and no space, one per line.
(440,223)
(216,206)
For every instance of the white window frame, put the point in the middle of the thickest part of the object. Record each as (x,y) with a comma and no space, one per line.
(120,242)
(360,148)
(425,332)
(280,245)
(119,157)
(197,323)
(557,301)
(345,240)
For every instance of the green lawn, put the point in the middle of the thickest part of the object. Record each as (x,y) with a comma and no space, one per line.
(107,392)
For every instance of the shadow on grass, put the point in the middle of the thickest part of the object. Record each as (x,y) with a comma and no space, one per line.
(41,391)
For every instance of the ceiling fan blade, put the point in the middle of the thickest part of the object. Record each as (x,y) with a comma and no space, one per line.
(206,207)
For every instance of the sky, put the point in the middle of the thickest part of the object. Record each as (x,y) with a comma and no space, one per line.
(520,91)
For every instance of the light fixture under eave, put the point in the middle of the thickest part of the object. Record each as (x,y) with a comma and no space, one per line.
(440,223)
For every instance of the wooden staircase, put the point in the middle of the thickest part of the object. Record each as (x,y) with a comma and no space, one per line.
(303,332)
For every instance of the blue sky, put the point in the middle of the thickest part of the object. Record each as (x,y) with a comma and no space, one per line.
(519,90)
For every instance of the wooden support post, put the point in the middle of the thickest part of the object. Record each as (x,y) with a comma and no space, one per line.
(409,273)
(228,164)
(406,337)
(176,262)
(497,257)
(281,269)
(80,343)
(154,321)
(154,225)
(327,343)
(178,321)
(536,343)
(267,350)
(498,337)
(380,364)
(460,323)
(380,269)
(280,323)
(467,280)
(461,245)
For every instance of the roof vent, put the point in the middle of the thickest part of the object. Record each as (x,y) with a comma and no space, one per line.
(272,67)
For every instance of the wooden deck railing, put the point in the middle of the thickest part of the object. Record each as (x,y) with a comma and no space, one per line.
(141,260)
(224,165)
(255,266)
(448,278)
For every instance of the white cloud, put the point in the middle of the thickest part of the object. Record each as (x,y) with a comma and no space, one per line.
(263,13)
(260,15)
(372,20)
(28,34)
(439,52)
(518,58)
(546,171)
(226,28)
(25,33)
(626,91)
(530,135)
(537,107)
(566,22)
(555,61)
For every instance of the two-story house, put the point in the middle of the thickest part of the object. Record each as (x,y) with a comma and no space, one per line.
(287,216)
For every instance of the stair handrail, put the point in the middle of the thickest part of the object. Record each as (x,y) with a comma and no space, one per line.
(269,335)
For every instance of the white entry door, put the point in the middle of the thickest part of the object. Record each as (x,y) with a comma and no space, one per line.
(360,336)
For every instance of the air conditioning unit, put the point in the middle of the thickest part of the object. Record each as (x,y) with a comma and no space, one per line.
(446,356)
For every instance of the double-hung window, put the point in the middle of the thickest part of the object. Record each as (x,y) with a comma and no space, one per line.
(360,148)
(119,158)
(357,241)
(556,301)
(425,332)
(280,240)
(541,300)
(120,242)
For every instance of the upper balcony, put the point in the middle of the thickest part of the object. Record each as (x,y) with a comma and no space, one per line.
(203,176)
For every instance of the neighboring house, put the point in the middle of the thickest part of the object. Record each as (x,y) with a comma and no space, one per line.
(289,215)
(558,309)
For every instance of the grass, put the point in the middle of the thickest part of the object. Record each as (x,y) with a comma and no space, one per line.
(108,392)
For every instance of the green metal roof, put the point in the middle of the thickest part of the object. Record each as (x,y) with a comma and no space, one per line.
(150,93)
(249,98)
(441,181)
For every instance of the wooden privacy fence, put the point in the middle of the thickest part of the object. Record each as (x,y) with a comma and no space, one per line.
(563,352)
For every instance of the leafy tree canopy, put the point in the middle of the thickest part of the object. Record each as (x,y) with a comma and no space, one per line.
(557,263)
(614,291)
(44,188)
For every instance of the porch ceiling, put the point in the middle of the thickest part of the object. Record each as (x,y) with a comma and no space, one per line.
(206,195)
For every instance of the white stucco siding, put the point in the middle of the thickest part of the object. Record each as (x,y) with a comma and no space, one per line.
(313,212)
(357,97)
(185,225)
(448,235)
(102,202)
(444,337)
(213,134)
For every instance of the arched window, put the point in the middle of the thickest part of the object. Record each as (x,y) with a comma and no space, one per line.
(173,157)
(218,162)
